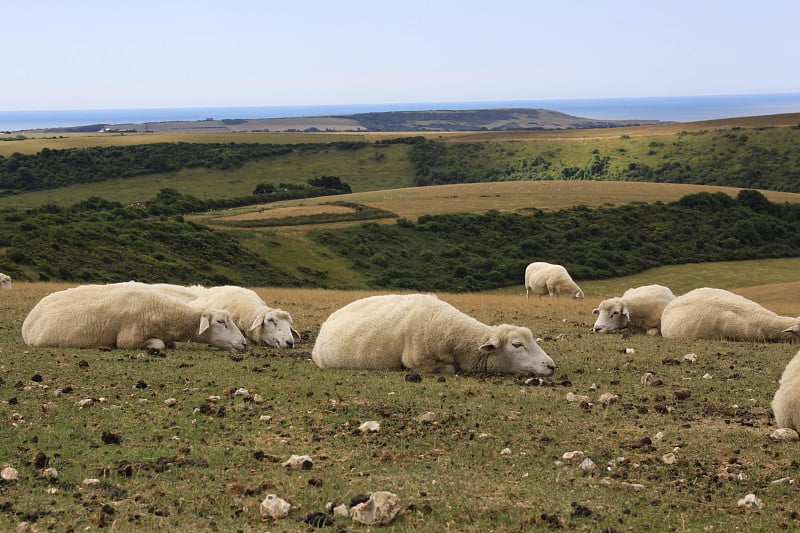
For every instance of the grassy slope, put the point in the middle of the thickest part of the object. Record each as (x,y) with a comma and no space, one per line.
(377,174)
(371,168)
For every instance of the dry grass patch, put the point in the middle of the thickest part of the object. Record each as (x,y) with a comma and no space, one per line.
(517,196)
(294,211)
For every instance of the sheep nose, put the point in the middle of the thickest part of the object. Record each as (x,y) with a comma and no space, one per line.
(290,344)
(551,366)
(595,330)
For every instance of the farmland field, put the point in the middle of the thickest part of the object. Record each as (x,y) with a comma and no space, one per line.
(677,453)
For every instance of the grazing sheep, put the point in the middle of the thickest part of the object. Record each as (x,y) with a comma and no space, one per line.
(423,333)
(719,314)
(786,403)
(545,278)
(125,316)
(637,309)
(5,282)
(260,323)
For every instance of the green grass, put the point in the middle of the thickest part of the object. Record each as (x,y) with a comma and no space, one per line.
(205,465)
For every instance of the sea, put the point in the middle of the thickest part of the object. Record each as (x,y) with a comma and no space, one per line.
(664,108)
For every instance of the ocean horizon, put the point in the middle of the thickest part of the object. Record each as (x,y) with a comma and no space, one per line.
(666,108)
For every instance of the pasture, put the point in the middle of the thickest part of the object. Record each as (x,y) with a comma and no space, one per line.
(673,454)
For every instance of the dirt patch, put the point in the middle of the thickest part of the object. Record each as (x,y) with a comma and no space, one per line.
(293,211)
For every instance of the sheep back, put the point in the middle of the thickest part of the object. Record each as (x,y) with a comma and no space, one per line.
(421,332)
(186,293)
(708,313)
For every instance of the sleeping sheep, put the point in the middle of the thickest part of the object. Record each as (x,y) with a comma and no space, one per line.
(125,316)
(5,282)
(554,280)
(423,333)
(786,403)
(639,310)
(708,313)
(259,322)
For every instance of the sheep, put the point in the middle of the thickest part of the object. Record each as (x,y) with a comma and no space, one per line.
(5,282)
(260,323)
(125,316)
(545,278)
(637,309)
(786,403)
(708,313)
(423,333)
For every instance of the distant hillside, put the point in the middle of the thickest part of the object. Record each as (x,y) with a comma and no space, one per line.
(510,119)
(483,120)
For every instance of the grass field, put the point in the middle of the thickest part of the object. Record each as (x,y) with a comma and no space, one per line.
(509,196)
(489,458)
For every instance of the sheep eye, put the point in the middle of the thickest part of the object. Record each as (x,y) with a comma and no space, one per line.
(517,344)
(272,321)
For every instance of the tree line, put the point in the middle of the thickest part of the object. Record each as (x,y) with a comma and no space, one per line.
(54,168)
(470,252)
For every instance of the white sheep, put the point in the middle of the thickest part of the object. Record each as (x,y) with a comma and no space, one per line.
(260,323)
(786,403)
(639,310)
(5,282)
(548,279)
(423,333)
(708,313)
(125,316)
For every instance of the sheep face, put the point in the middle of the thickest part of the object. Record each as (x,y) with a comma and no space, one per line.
(513,350)
(218,330)
(5,282)
(612,314)
(273,328)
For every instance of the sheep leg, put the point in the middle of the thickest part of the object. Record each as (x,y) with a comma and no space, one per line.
(154,344)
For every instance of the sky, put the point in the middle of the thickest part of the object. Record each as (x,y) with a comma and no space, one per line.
(97,54)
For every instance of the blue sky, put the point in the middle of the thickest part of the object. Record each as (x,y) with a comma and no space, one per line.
(94,54)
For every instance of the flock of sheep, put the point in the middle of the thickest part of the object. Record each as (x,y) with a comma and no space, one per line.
(704,313)
(414,331)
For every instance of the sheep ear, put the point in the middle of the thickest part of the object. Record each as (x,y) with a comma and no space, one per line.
(203,324)
(295,335)
(491,345)
(595,311)
(626,313)
(256,323)
(795,330)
